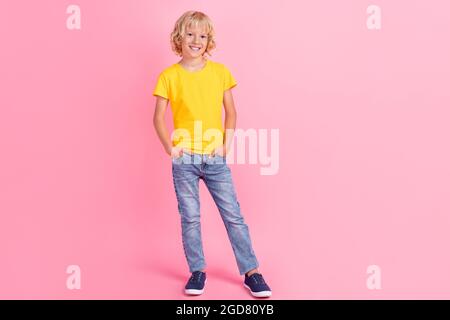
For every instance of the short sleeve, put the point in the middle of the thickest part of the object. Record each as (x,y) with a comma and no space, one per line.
(228,79)
(161,88)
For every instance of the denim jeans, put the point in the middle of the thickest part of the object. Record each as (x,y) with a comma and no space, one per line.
(187,170)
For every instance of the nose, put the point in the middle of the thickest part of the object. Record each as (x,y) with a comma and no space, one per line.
(197,39)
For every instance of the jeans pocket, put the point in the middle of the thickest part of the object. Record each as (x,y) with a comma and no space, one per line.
(219,159)
(177,160)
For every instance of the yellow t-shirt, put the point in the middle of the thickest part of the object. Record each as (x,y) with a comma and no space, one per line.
(196,99)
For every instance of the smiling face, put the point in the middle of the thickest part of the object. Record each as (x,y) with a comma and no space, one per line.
(195,42)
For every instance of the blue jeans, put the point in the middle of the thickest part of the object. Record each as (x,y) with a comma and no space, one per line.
(187,170)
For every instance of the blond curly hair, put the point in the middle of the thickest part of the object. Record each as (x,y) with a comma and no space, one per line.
(192,19)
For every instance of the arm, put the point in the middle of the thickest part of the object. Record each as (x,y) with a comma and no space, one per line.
(230,120)
(160,125)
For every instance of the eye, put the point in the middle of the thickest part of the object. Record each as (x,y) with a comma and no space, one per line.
(189,34)
(204,37)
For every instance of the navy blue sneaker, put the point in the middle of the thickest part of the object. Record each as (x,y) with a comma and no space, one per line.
(257,286)
(196,283)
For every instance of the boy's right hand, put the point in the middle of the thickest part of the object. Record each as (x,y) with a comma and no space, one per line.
(176,152)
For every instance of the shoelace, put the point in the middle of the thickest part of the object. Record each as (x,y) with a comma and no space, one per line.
(195,277)
(258,278)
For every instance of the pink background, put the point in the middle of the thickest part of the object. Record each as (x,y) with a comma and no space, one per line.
(364,150)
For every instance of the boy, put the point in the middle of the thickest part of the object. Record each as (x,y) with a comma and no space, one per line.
(196,88)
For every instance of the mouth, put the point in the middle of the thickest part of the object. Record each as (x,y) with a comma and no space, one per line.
(195,48)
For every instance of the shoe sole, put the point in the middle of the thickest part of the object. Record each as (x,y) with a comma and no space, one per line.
(195,292)
(261,294)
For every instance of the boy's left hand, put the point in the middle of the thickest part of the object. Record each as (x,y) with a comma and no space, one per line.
(220,151)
